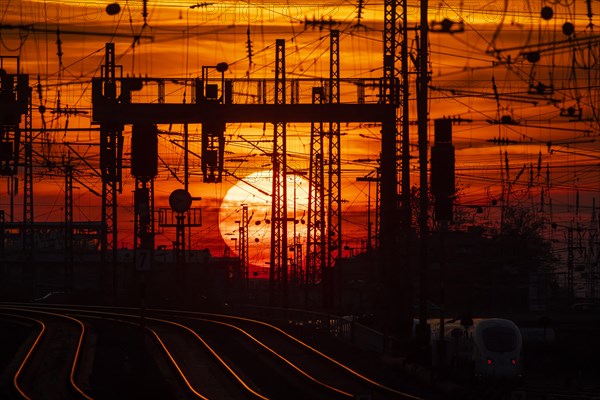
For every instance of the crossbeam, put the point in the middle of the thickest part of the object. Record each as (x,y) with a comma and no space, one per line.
(238,113)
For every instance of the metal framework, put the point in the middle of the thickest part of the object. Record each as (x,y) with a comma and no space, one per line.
(278,268)
(570,260)
(334,205)
(111,157)
(28,243)
(390,18)
(389,178)
(15,101)
(112,112)
(144,214)
(69,226)
(403,148)
(316,229)
(377,179)
(243,239)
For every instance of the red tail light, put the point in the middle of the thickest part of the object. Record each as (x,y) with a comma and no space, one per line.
(490,361)
(513,361)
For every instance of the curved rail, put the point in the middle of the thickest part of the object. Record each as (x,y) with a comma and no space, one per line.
(162,345)
(210,318)
(245,385)
(276,354)
(77,350)
(23,363)
(214,353)
(307,346)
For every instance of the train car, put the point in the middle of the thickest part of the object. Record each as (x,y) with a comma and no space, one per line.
(486,347)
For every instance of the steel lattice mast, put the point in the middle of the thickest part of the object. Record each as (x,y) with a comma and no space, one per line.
(316,229)
(111,156)
(334,200)
(278,267)
(244,255)
(28,243)
(69,261)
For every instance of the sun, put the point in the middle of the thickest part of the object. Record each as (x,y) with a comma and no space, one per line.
(254,191)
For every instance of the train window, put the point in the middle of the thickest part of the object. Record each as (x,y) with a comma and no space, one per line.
(499,339)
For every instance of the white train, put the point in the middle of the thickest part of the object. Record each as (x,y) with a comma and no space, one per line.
(489,347)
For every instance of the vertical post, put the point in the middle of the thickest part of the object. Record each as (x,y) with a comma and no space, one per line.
(2,259)
(378,208)
(422,118)
(186,165)
(68,227)
(443,189)
(334,209)
(394,275)
(315,240)
(180,239)
(278,259)
(405,197)
(28,243)
(28,216)
(244,256)
(570,259)
(111,151)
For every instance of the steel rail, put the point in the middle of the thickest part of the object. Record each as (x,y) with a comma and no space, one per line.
(29,352)
(335,362)
(276,354)
(77,350)
(206,345)
(321,354)
(159,340)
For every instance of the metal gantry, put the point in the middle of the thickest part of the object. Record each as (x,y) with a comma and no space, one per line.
(114,110)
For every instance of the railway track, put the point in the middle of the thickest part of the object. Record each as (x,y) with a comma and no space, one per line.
(108,352)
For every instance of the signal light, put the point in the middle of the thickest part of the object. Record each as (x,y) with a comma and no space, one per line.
(490,361)
(113,9)
(513,361)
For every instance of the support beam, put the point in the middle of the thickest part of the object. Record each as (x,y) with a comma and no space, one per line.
(169,113)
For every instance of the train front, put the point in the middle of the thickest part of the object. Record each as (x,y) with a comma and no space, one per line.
(497,350)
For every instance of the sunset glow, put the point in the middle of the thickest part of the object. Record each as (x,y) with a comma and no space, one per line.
(526,130)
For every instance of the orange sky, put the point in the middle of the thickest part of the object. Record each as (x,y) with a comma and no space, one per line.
(178,40)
